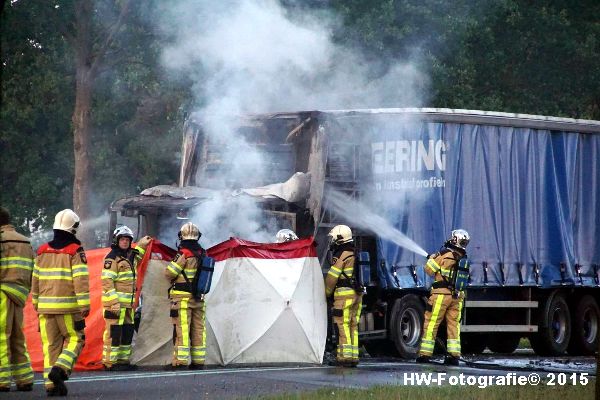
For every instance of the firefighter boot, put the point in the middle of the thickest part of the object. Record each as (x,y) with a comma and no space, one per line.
(423,359)
(451,360)
(341,363)
(58,376)
(26,387)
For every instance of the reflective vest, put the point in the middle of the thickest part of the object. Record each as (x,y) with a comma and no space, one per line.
(60,283)
(119,278)
(342,269)
(440,266)
(185,261)
(16,264)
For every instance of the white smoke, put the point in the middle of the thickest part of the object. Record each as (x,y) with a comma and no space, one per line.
(254,56)
(228,216)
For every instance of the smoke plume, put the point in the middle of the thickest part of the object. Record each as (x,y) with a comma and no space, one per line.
(258,56)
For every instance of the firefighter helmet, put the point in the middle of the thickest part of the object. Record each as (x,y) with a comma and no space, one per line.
(285,235)
(340,234)
(189,231)
(459,238)
(122,231)
(66,220)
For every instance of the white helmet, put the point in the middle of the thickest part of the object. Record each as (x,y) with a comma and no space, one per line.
(66,220)
(285,235)
(340,234)
(189,231)
(459,238)
(122,231)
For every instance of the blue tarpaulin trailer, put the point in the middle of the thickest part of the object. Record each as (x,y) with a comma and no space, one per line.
(530,198)
(526,188)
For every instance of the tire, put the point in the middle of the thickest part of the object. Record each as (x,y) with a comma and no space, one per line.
(505,344)
(473,343)
(406,325)
(585,327)
(554,327)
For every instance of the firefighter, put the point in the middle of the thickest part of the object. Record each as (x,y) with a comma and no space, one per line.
(285,235)
(187,313)
(61,297)
(118,290)
(443,302)
(16,266)
(347,300)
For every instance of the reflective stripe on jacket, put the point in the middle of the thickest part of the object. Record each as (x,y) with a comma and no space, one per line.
(16,264)
(119,277)
(60,281)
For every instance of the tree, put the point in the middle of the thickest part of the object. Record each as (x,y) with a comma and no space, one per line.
(538,57)
(530,57)
(36,155)
(90,50)
(134,119)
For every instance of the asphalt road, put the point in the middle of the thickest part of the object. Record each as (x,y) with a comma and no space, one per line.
(232,383)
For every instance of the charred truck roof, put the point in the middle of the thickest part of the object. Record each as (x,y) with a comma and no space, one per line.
(300,143)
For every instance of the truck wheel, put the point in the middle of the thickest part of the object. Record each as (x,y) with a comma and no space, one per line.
(407,324)
(554,328)
(473,343)
(584,335)
(505,344)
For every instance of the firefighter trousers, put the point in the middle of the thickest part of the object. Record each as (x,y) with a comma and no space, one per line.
(347,306)
(62,341)
(189,333)
(14,359)
(118,335)
(440,307)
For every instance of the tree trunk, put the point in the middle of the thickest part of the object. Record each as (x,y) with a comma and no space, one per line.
(85,75)
(86,70)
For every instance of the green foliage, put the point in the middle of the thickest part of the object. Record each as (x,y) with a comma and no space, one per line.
(538,57)
(35,133)
(136,111)
(447,392)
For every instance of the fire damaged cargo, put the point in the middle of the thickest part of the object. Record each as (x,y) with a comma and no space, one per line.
(527,189)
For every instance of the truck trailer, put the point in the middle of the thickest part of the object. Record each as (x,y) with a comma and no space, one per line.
(526,188)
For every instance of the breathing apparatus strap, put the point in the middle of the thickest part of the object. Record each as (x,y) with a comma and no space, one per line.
(188,286)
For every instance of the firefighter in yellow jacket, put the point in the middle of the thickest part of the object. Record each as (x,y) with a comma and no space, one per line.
(16,266)
(60,294)
(443,302)
(118,291)
(187,312)
(347,300)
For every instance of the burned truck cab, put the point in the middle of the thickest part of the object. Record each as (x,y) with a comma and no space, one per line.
(260,159)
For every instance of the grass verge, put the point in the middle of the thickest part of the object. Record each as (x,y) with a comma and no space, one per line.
(528,392)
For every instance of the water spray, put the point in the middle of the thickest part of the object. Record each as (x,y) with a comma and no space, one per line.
(362,217)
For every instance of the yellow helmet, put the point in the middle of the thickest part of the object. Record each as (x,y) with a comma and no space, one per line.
(340,234)
(189,231)
(66,220)
(459,238)
(285,235)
